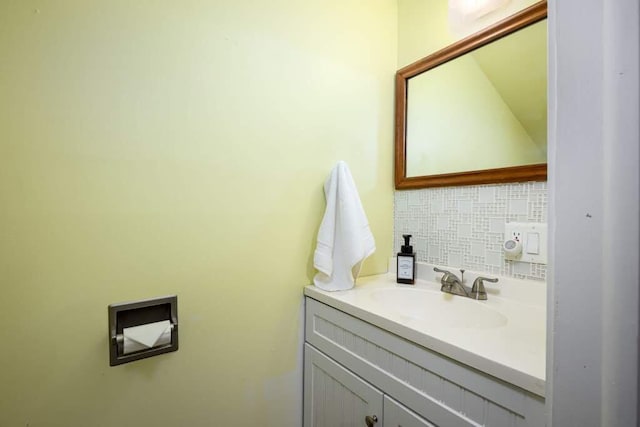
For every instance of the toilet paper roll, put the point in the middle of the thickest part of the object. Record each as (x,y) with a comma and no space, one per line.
(146,336)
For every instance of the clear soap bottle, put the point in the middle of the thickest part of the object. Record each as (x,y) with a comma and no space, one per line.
(406,263)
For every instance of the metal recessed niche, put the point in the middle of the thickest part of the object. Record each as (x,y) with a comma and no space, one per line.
(142,329)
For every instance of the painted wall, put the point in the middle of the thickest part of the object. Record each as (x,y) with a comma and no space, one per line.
(152,148)
(594,178)
(423,26)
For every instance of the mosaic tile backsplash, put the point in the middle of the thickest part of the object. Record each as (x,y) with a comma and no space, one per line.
(463,227)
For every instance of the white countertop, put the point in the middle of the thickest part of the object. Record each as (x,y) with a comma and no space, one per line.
(513,350)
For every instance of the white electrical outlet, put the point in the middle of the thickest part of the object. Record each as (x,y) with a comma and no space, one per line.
(525,242)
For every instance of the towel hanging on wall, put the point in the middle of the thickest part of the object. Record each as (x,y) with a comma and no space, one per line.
(344,238)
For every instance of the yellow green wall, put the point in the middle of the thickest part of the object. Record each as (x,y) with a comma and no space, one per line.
(423,26)
(151,148)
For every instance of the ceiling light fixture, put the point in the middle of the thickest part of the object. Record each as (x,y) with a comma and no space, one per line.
(465,12)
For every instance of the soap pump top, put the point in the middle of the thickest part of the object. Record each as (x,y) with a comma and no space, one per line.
(406,248)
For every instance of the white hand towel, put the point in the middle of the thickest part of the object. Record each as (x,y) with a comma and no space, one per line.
(344,238)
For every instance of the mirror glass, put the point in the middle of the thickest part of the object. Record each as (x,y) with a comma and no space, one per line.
(483,110)
(475,112)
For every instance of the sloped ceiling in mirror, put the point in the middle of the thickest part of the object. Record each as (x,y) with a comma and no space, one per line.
(517,68)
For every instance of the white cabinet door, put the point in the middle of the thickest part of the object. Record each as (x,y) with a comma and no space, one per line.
(396,415)
(334,397)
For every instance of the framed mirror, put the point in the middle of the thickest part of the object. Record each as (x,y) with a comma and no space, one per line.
(475,112)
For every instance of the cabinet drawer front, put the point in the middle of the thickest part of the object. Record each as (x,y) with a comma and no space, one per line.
(438,388)
(333,396)
(396,415)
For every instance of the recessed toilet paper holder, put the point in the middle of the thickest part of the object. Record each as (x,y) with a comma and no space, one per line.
(137,315)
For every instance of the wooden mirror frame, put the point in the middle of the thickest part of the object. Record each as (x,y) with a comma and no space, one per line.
(536,172)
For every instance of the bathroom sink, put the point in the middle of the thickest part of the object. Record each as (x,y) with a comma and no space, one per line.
(503,336)
(438,308)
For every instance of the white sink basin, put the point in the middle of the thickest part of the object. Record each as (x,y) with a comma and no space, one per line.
(438,308)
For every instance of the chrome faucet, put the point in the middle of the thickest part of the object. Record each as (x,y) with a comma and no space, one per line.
(451,284)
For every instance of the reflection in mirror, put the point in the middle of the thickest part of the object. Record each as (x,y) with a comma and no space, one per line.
(483,110)
(475,112)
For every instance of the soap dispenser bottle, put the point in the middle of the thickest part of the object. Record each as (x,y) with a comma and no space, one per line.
(406,263)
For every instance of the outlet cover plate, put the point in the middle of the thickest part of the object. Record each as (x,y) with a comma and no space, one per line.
(526,233)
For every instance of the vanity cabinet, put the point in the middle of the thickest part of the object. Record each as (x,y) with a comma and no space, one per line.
(336,397)
(354,369)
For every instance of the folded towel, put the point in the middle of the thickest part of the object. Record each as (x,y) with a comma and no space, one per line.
(344,238)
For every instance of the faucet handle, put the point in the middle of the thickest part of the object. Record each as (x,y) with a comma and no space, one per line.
(447,274)
(445,280)
(485,279)
(478,291)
